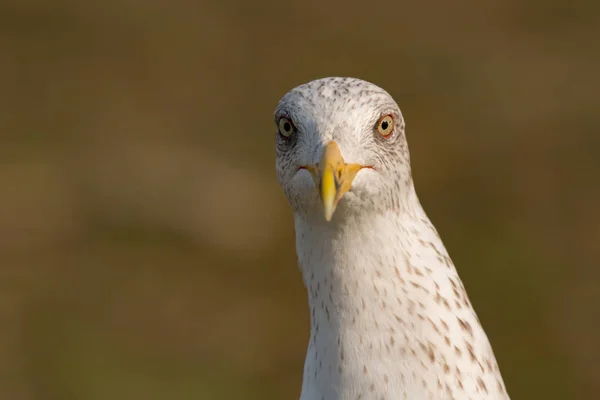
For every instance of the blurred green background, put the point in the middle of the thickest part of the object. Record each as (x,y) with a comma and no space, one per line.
(147,252)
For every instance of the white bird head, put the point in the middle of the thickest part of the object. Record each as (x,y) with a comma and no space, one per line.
(341,146)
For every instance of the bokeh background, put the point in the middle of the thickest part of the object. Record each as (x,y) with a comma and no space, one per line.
(147,252)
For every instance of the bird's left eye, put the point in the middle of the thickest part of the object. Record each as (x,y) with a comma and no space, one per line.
(385,126)
(286,128)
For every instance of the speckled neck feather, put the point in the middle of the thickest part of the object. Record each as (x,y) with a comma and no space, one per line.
(387,322)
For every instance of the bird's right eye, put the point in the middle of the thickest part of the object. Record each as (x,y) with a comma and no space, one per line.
(286,127)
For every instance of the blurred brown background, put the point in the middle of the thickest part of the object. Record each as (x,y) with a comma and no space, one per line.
(146,251)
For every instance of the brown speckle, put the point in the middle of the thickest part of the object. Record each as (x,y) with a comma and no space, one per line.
(431,354)
(500,386)
(457,351)
(481,384)
(465,326)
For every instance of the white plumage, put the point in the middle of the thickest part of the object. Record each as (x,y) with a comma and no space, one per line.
(390,318)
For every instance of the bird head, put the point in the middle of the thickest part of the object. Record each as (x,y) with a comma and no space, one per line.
(340,145)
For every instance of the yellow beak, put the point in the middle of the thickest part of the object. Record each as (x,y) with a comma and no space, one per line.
(333,177)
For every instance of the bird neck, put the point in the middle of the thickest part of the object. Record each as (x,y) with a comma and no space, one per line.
(360,272)
(384,296)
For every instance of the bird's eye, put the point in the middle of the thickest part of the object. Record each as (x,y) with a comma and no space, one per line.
(286,128)
(385,126)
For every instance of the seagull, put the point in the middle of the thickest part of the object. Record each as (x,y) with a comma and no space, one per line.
(389,316)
